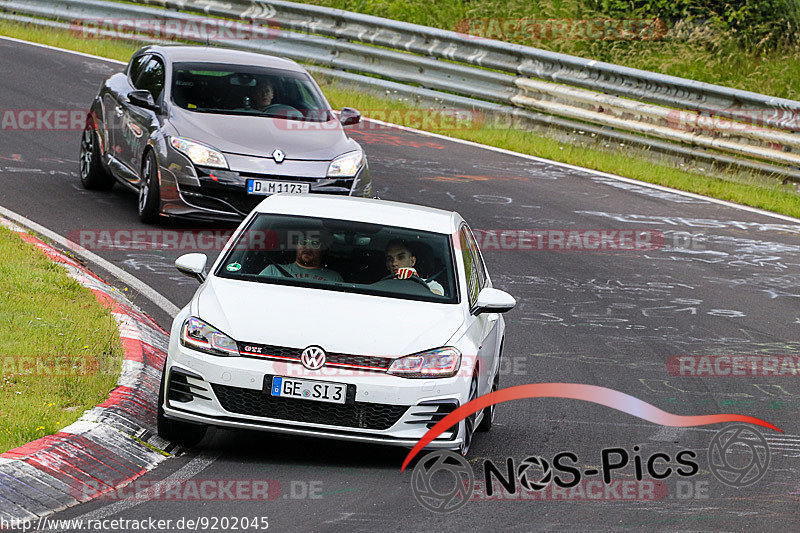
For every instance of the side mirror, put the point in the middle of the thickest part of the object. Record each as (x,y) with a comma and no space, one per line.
(349,116)
(493,301)
(192,265)
(142,98)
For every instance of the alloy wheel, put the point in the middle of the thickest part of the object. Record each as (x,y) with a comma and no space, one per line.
(87,151)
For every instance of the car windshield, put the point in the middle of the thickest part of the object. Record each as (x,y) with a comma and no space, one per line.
(247,90)
(341,255)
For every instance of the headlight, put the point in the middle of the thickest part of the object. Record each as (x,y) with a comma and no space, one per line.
(346,165)
(199,336)
(200,154)
(438,363)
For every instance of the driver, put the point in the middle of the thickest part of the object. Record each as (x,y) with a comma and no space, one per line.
(400,260)
(309,258)
(263,94)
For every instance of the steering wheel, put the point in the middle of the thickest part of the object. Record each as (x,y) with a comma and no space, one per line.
(280,108)
(412,278)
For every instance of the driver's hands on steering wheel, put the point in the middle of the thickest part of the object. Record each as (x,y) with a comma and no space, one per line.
(405,273)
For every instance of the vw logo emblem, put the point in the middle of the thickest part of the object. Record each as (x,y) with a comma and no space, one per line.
(313,357)
(278,155)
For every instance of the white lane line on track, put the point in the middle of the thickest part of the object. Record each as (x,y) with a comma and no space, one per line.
(147,291)
(499,150)
(202,461)
(590,171)
(62,50)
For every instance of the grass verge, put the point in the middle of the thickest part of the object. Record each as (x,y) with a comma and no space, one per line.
(746,190)
(60,351)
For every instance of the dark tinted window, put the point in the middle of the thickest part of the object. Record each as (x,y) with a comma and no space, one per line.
(248,90)
(352,257)
(136,66)
(151,77)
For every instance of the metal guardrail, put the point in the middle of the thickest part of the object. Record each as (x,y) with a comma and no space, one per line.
(512,83)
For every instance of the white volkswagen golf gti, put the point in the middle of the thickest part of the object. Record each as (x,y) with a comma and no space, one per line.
(346,318)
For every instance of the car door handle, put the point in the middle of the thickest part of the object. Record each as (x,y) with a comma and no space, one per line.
(118,110)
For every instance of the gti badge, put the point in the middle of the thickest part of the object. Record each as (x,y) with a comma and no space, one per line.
(278,155)
(313,357)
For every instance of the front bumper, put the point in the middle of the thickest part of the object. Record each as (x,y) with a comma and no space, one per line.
(380,408)
(200,192)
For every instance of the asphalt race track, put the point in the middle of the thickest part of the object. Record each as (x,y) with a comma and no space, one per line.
(725,281)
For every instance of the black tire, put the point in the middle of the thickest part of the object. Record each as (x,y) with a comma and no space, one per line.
(185,434)
(93,175)
(149,191)
(488,414)
(469,422)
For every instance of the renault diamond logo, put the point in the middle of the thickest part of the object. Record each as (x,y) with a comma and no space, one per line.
(278,155)
(313,357)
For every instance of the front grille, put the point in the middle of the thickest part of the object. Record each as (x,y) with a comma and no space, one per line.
(220,198)
(277,177)
(381,363)
(282,353)
(226,190)
(269,350)
(252,402)
(316,185)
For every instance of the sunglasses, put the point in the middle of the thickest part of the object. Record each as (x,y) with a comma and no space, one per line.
(314,244)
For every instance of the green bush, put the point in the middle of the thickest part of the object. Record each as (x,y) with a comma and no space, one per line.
(756,24)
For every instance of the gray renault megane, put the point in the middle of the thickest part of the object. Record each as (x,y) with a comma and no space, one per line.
(208,132)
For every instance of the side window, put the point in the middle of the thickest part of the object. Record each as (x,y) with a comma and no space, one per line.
(136,66)
(481,267)
(471,266)
(151,77)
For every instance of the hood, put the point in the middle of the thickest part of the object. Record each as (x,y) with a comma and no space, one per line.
(260,136)
(340,322)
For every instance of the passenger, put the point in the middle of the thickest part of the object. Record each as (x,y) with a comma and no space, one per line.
(400,260)
(309,260)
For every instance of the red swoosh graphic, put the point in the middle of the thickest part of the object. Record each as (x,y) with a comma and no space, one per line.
(576,391)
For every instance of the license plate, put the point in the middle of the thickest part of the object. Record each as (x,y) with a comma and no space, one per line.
(319,391)
(273,187)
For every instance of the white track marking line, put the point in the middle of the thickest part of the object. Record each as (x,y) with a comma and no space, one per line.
(151,294)
(62,50)
(590,171)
